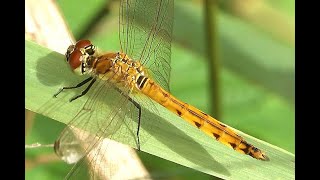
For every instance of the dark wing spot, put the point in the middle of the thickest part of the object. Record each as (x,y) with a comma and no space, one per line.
(179,112)
(197,124)
(223,125)
(233,145)
(216,135)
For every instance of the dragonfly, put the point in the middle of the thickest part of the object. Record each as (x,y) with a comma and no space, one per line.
(140,68)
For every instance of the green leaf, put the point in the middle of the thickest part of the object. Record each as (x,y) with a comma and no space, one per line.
(172,139)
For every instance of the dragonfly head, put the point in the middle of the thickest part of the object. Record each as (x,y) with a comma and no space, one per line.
(80,56)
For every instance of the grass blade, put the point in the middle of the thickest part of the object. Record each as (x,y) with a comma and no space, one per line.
(172,139)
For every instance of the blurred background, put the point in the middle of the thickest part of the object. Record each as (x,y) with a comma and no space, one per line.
(231,58)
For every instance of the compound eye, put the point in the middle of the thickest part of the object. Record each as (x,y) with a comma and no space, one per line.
(83,44)
(75,59)
(69,51)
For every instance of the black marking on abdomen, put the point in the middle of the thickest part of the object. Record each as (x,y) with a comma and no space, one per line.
(179,112)
(197,124)
(204,113)
(233,145)
(251,154)
(165,94)
(246,149)
(217,136)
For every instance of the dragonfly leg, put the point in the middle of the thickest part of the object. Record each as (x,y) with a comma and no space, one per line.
(83,92)
(73,87)
(139,118)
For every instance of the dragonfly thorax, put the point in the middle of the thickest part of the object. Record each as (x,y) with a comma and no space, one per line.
(119,68)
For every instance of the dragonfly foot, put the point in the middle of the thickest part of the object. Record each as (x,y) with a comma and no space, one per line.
(56,94)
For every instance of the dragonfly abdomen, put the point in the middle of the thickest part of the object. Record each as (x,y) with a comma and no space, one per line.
(201,120)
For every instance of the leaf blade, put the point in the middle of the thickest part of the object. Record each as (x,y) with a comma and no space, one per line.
(173,139)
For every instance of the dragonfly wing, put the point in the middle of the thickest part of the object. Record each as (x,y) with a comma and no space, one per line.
(145,32)
(105,114)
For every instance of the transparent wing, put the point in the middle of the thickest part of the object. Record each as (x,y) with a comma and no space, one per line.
(145,33)
(107,113)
